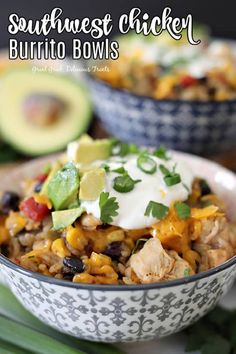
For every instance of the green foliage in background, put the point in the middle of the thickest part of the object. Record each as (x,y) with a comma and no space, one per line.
(7,153)
(213,334)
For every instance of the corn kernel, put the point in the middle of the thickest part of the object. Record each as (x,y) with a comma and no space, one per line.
(15,223)
(114,236)
(75,238)
(202,213)
(84,278)
(4,235)
(221,95)
(59,248)
(98,260)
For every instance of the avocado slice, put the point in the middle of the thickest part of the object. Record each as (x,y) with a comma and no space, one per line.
(85,151)
(63,218)
(62,189)
(53,171)
(92,184)
(62,105)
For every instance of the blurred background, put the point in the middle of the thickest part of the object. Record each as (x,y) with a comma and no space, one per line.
(214,123)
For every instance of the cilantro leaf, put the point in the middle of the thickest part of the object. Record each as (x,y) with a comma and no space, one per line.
(106,167)
(121,170)
(183,210)
(108,207)
(156,210)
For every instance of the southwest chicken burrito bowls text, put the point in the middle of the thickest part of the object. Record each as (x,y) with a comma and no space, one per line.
(108,212)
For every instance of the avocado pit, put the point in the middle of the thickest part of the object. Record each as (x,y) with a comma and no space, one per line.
(43,110)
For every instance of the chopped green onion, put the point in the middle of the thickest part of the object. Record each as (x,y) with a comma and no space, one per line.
(120,149)
(123,149)
(161,153)
(183,210)
(186,272)
(171,180)
(124,184)
(146,164)
(186,187)
(133,149)
(156,210)
(164,170)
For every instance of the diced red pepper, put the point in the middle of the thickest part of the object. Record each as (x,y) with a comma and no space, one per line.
(34,210)
(187,81)
(42,177)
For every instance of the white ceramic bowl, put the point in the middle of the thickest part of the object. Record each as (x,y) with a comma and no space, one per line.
(124,313)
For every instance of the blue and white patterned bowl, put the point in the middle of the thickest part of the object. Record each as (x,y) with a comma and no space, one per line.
(191,126)
(123,313)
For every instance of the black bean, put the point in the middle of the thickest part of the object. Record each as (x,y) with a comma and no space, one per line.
(9,201)
(205,189)
(38,187)
(68,277)
(74,264)
(202,80)
(113,250)
(211,91)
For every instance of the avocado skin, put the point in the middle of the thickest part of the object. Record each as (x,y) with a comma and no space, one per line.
(63,218)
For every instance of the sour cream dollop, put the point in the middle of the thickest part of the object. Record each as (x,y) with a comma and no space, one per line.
(132,205)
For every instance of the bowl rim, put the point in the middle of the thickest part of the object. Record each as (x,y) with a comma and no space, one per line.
(91,77)
(109,287)
(119,287)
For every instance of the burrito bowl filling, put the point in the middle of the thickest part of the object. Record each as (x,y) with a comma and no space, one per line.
(172,70)
(108,212)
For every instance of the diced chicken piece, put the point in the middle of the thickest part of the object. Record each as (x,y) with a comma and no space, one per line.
(152,262)
(216,233)
(216,243)
(216,257)
(202,249)
(181,267)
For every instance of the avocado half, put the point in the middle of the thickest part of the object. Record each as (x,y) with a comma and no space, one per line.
(33,139)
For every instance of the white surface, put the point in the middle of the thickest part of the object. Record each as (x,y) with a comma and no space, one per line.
(173,344)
